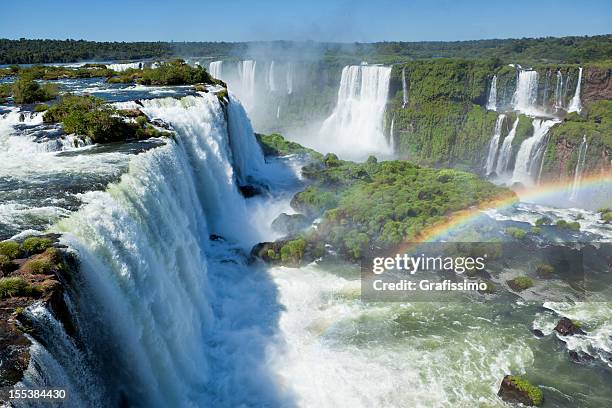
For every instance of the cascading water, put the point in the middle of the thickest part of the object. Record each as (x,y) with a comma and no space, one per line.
(290,73)
(123,67)
(167,314)
(271,78)
(575,104)
(404,89)
(546,91)
(505,152)
(526,94)
(492,101)
(559,91)
(246,75)
(579,168)
(530,154)
(392,134)
(494,145)
(355,127)
(216,68)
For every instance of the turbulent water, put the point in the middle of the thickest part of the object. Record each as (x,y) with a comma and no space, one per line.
(575,105)
(531,152)
(494,145)
(355,128)
(492,100)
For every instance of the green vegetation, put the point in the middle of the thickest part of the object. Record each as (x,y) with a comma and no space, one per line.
(382,203)
(543,221)
(293,251)
(90,117)
(10,249)
(276,145)
(47,73)
(535,230)
(6,264)
(35,245)
(534,393)
(570,226)
(27,90)
(545,270)
(41,107)
(175,72)
(14,286)
(520,283)
(516,233)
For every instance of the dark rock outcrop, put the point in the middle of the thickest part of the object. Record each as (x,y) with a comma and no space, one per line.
(566,327)
(290,223)
(515,389)
(249,191)
(597,84)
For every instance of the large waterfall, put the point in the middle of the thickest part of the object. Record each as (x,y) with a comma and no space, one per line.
(494,145)
(575,104)
(492,100)
(529,156)
(289,76)
(559,91)
(580,162)
(505,151)
(355,127)
(215,68)
(170,317)
(271,77)
(246,75)
(526,94)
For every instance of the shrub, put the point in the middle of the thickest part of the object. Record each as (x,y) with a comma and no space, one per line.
(41,108)
(543,221)
(545,269)
(27,90)
(331,160)
(520,283)
(10,249)
(570,226)
(293,251)
(534,393)
(607,216)
(516,233)
(38,267)
(175,72)
(14,286)
(536,230)
(5,263)
(34,245)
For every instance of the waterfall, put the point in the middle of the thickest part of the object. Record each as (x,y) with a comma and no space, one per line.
(391,134)
(355,127)
(494,145)
(526,93)
(575,105)
(215,68)
(531,152)
(290,73)
(492,101)
(170,317)
(271,78)
(246,74)
(559,91)
(123,67)
(579,168)
(546,91)
(404,89)
(278,112)
(505,152)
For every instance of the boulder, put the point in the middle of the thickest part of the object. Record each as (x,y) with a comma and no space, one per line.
(249,191)
(566,327)
(515,389)
(538,333)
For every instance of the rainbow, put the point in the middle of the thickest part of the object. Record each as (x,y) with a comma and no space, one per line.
(461,218)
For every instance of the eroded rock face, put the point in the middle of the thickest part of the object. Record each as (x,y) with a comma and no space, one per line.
(566,327)
(597,84)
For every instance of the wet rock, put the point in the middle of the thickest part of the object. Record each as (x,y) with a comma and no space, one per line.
(290,223)
(580,357)
(566,327)
(249,191)
(160,123)
(538,333)
(515,389)
(215,237)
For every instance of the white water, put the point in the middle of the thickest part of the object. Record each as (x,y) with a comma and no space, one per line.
(173,318)
(494,145)
(404,89)
(123,67)
(525,96)
(392,134)
(575,104)
(271,78)
(559,91)
(530,153)
(492,101)
(290,73)
(216,69)
(505,152)
(582,150)
(246,76)
(355,128)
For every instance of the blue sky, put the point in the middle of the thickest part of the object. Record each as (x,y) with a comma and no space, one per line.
(318,20)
